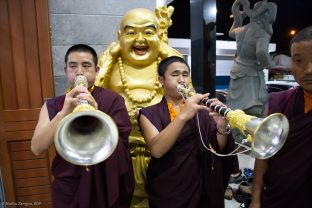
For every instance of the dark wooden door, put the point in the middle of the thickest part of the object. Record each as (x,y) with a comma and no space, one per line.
(26,79)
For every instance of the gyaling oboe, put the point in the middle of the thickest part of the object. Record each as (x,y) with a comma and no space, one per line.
(266,135)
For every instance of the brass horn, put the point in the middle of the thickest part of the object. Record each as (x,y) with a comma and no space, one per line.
(266,135)
(86,136)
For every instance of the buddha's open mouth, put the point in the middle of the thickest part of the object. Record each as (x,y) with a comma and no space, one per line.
(140,50)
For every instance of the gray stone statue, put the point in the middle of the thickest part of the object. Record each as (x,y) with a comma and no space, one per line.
(247,89)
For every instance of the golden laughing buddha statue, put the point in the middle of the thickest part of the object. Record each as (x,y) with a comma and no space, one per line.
(129,67)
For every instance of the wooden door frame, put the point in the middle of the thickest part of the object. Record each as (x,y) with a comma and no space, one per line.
(43,38)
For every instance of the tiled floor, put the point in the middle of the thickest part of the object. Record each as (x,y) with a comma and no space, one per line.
(245,161)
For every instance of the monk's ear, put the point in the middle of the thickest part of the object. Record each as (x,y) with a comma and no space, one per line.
(65,70)
(161,80)
(97,69)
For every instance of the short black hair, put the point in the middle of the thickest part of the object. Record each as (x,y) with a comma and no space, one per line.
(303,35)
(82,48)
(163,65)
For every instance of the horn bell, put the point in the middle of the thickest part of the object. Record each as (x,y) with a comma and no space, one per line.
(269,135)
(86,137)
(266,136)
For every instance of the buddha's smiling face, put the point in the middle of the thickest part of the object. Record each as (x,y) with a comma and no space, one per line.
(138,37)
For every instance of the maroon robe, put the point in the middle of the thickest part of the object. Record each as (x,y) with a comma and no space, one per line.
(108,184)
(288,179)
(187,175)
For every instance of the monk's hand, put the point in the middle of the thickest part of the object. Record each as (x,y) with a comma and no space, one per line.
(84,95)
(219,119)
(192,106)
(71,100)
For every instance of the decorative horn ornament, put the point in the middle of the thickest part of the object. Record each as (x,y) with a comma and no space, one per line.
(266,135)
(86,136)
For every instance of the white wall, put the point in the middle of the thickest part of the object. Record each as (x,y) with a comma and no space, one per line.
(92,22)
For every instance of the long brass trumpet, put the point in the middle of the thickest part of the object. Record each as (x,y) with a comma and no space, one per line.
(266,135)
(86,136)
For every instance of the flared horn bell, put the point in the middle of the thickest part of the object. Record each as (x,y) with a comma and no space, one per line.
(268,134)
(265,135)
(86,137)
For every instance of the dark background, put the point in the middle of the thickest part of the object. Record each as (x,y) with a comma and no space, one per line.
(291,14)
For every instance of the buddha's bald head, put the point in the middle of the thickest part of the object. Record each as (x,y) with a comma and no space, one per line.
(139,17)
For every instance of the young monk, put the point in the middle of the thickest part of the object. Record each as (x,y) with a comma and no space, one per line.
(107,184)
(182,173)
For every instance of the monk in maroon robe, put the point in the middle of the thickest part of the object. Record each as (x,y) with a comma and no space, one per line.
(108,184)
(285,179)
(288,178)
(182,173)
